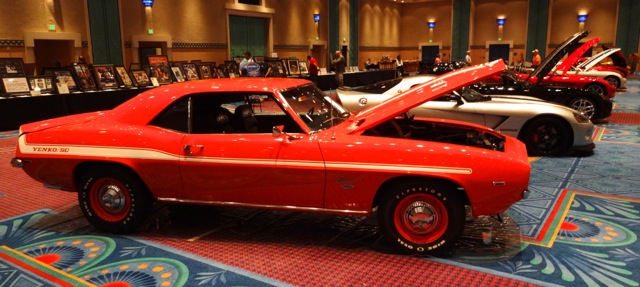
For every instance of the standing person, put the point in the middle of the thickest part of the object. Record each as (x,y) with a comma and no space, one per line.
(339,64)
(437,60)
(467,58)
(243,64)
(313,69)
(634,58)
(535,62)
(399,66)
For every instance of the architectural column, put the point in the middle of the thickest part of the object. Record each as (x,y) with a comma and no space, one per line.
(537,28)
(460,32)
(106,43)
(628,32)
(353,32)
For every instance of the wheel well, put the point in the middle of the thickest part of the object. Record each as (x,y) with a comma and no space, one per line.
(393,181)
(530,121)
(602,87)
(82,169)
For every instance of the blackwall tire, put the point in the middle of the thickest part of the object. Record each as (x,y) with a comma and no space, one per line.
(113,200)
(546,136)
(420,217)
(586,106)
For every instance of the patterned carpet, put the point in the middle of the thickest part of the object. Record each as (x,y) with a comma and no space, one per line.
(579,228)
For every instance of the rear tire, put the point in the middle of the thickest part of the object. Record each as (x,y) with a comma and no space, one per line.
(614,81)
(114,200)
(596,89)
(421,217)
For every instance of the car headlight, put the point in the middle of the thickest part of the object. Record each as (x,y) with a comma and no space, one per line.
(580,118)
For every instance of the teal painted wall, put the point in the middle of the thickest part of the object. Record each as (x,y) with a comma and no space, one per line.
(537,29)
(628,33)
(460,32)
(104,23)
(353,33)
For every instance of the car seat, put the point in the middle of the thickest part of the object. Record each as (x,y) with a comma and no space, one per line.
(245,119)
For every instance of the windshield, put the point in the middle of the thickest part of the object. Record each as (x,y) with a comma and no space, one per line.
(471,96)
(316,109)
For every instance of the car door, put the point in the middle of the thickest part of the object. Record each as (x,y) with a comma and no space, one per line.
(245,163)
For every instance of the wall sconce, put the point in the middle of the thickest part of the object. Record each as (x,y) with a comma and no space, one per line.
(147,3)
(316,18)
(501,21)
(431,24)
(582,18)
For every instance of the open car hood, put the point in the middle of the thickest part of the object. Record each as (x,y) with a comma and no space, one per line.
(567,63)
(588,64)
(549,62)
(419,94)
(618,58)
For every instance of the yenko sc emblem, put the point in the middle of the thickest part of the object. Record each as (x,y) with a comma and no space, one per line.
(362,101)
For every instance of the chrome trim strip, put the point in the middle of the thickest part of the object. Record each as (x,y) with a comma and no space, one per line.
(263,206)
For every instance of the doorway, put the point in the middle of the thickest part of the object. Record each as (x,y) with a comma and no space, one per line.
(429,54)
(150,49)
(499,51)
(53,53)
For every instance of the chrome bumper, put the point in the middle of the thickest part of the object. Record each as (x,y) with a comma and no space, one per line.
(16,162)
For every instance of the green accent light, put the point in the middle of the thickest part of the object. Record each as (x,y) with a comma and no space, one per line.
(52,27)
(150,31)
(499,39)
(430,41)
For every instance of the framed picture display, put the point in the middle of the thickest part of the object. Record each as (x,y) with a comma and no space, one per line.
(123,77)
(11,68)
(177,74)
(231,69)
(274,68)
(190,71)
(141,78)
(65,77)
(303,68)
(159,68)
(220,71)
(45,84)
(294,67)
(105,76)
(238,59)
(285,67)
(259,59)
(84,76)
(15,86)
(205,71)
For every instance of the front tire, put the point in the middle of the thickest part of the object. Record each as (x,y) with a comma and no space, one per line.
(113,200)
(421,217)
(546,136)
(596,89)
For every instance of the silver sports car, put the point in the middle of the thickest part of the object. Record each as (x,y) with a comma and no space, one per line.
(546,128)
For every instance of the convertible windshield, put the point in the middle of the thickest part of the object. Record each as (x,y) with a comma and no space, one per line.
(315,108)
(471,96)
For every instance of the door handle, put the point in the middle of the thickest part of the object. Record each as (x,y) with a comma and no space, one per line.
(189,148)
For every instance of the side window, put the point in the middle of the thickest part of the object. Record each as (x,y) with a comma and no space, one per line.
(175,117)
(236,113)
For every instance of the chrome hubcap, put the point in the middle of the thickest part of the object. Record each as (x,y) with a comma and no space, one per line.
(420,217)
(112,199)
(585,107)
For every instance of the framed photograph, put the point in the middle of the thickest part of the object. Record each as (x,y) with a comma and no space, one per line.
(196,62)
(105,76)
(259,59)
(15,86)
(275,71)
(65,77)
(141,78)
(45,84)
(205,71)
(303,68)
(220,71)
(12,68)
(231,69)
(177,74)
(123,77)
(238,59)
(84,76)
(294,67)
(190,71)
(159,68)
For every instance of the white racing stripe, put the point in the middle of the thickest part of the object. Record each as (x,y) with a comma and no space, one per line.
(140,153)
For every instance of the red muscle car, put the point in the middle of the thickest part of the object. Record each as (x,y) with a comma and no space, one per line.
(283,144)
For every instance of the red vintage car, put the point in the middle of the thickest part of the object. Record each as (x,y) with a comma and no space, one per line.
(282,144)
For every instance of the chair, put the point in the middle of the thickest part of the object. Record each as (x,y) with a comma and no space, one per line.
(245,120)
(219,121)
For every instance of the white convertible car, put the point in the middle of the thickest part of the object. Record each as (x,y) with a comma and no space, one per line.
(546,128)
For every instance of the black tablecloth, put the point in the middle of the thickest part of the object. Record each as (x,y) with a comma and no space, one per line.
(21,110)
(329,82)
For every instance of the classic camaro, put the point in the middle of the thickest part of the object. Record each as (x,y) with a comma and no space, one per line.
(281,143)
(545,128)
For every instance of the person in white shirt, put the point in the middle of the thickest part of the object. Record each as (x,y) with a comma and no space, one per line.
(247,59)
(467,59)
